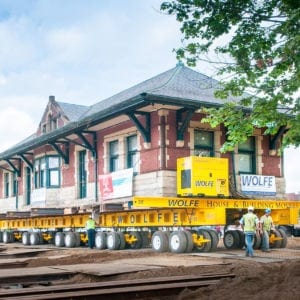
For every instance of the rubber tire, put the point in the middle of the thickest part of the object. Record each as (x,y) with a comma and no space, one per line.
(70,239)
(59,239)
(122,240)
(12,237)
(51,241)
(160,241)
(26,238)
(42,241)
(215,233)
(284,238)
(78,240)
(145,239)
(113,240)
(257,241)
(242,243)
(206,246)
(178,242)
(8,237)
(139,240)
(34,238)
(231,239)
(286,229)
(214,239)
(190,242)
(100,240)
(276,244)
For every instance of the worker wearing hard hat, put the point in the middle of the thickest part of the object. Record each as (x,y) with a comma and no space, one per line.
(266,224)
(249,223)
(90,227)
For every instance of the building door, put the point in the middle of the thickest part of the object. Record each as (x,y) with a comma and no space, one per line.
(28,186)
(82,174)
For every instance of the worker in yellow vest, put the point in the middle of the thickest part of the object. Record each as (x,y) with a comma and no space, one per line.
(266,224)
(249,223)
(90,228)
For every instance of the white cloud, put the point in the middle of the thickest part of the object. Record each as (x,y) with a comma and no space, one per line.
(292,169)
(3,80)
(82,52)
(65,41)
(15,125)
(18,48)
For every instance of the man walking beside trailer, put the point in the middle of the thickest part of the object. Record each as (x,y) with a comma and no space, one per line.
(266,223)
(249,223)
(90,227)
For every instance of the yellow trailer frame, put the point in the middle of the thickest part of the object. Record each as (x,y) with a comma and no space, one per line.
(215,211)
(44,222)
(166,221)
(165,212)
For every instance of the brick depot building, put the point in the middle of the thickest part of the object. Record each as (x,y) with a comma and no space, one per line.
(127,145)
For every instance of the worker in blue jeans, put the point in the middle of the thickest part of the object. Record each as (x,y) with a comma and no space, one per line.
(267,224)
(90,227)
(249,223)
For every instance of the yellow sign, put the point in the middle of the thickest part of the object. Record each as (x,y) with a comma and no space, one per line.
(177,202)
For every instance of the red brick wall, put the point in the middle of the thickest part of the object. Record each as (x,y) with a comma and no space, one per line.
(150,158)
(42,150)
(100,152)
(91,167)
(175,152)
(155,130)
(270,163)
(21,179)
(68,171)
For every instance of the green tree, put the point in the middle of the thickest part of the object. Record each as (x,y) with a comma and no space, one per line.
(260,40)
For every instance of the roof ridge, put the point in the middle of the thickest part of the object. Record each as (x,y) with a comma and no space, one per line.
(178,68)
(135,86)
(62,102)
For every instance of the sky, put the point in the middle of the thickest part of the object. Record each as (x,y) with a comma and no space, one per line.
(83,51)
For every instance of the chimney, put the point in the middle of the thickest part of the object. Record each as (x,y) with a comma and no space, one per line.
(51,98)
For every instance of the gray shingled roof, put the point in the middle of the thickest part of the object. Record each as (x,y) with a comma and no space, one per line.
(178,83)
(178,86)
(73,111)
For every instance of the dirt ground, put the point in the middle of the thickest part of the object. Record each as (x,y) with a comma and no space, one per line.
(254,279)
(274,275)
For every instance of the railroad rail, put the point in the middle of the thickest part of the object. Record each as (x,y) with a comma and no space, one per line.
(121,289)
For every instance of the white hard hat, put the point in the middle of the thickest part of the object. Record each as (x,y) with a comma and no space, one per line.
(250,208)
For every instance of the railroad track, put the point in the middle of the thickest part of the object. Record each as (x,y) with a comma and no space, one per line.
(122,289)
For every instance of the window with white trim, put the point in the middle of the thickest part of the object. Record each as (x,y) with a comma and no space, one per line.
(14,180)
(122,152)
(47,172)
(113,156)
(6,185)
(132,152)
(203,143)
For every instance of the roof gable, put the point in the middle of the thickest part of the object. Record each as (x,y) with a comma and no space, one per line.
(58,114)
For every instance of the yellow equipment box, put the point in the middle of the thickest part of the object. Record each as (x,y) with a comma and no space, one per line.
(202,177)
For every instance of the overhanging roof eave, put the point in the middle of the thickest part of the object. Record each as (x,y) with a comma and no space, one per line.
(180,102)
(72,127)
(188,103)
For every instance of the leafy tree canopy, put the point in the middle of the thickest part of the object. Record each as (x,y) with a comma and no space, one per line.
(260,40)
